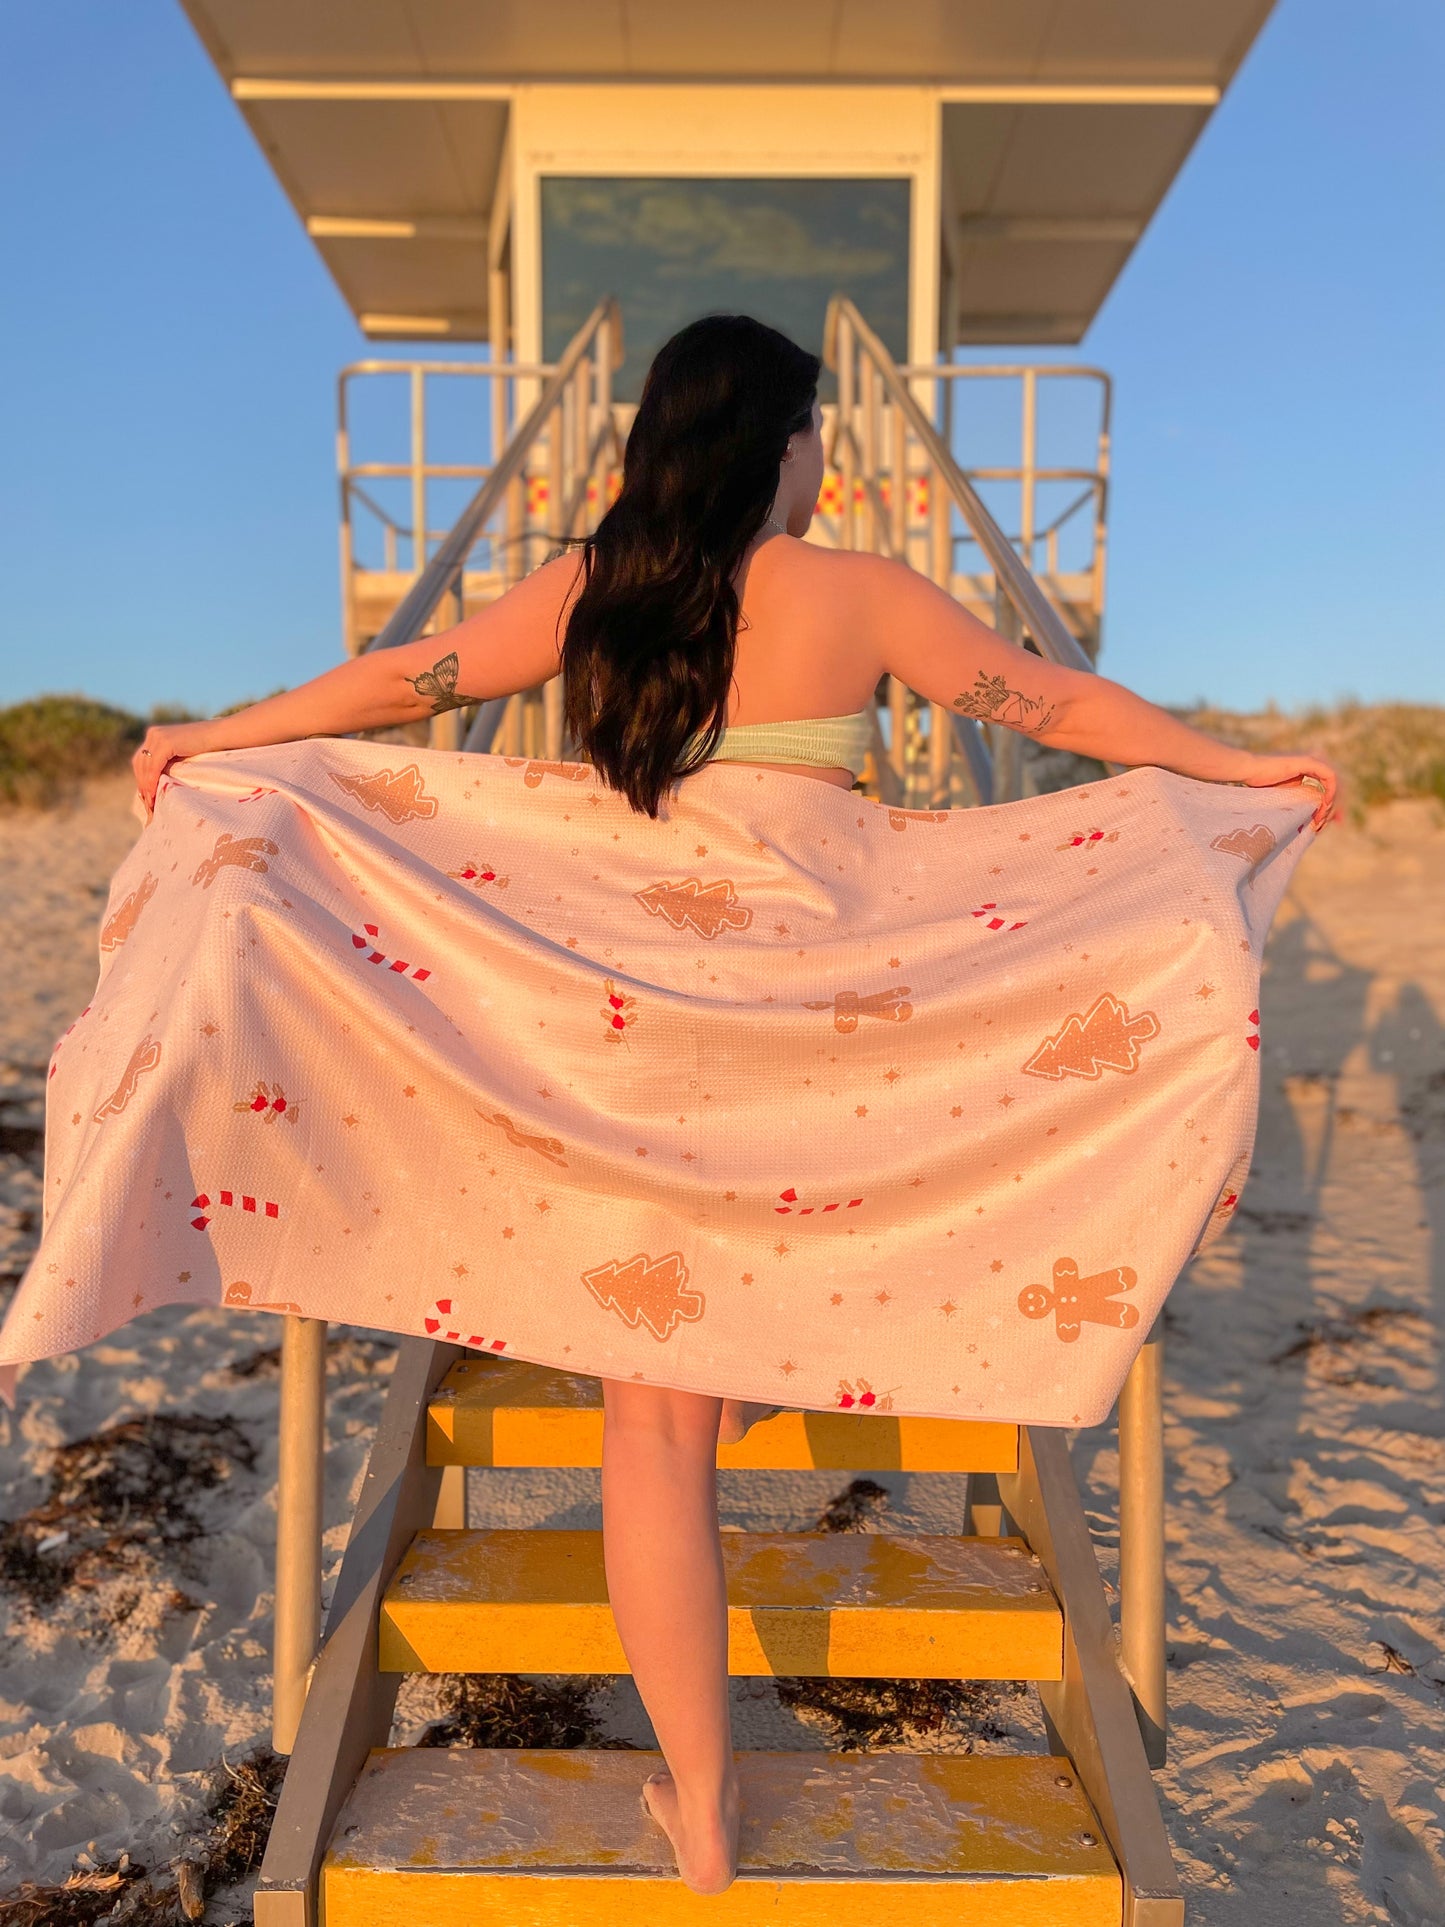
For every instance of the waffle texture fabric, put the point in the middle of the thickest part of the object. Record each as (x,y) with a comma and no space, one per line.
(785,1095)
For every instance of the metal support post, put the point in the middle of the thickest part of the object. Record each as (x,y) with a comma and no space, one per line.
(298,1522)
(1141,1541)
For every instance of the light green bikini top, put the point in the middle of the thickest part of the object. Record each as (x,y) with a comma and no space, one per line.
(839,742)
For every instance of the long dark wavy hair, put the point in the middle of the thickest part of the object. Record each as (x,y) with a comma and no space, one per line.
(647,659)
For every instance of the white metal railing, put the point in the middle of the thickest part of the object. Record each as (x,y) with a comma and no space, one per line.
(880,432)
(1038,484)
(571,427)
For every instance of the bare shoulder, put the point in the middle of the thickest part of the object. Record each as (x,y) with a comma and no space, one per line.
(854,595)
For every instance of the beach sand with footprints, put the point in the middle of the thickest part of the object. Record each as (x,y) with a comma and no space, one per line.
(1305,1430)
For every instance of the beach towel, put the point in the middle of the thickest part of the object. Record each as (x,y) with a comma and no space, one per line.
(785,1095)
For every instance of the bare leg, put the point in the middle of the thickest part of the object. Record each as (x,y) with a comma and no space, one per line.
(665,1582)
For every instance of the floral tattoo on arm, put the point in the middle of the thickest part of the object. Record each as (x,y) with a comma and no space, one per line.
(439,684)
(992,701)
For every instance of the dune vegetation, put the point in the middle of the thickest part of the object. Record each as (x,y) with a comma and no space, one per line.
(1383,750)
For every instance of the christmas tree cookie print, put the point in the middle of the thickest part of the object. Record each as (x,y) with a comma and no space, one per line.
(1107,1039)
(692,904)
(1251,846)
(399,794)
(651,1292)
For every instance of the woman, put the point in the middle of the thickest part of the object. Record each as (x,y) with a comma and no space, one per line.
(697,624)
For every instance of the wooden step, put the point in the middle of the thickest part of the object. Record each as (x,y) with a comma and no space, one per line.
(857,1605)
(502,1411)
(560,1839)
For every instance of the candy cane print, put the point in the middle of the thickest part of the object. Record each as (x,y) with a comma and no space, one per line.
(1253,1038)
(996,922)
(266,1207)
(378,957)
(434,1329)
(790,1203)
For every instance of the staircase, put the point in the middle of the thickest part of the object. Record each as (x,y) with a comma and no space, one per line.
(367,1835)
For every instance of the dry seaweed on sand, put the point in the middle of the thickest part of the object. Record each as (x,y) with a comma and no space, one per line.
(118,1499)
(349,1354)
(852,1509)
(503,1709)
(227,1843)
(865,1713)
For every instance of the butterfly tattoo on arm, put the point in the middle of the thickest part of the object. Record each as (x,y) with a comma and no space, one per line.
(992,701)
(439,685)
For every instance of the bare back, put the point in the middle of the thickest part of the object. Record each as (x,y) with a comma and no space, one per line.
(817,629)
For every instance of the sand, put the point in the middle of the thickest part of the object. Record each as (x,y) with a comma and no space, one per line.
(1304,1429)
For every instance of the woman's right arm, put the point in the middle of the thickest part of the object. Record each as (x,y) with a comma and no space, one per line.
(931,643)
(511,644)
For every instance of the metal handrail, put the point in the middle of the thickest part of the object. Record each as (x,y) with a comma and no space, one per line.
(1023,607)
(419,604)
(1044,623)
(586,370)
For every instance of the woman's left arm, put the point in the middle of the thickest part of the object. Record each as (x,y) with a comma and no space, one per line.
(511,644)
(1102,719)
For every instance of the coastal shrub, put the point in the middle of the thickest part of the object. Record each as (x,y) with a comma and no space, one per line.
(1382,750)
(48,743)
(51,740)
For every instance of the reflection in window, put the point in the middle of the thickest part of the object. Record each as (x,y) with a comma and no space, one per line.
(671,250)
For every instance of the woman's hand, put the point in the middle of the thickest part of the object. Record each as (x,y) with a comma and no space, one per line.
(1265,772)
(165,743)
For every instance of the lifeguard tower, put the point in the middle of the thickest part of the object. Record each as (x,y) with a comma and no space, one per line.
(567,184)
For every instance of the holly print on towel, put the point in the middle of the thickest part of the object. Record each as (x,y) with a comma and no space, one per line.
(268,1101)
(620,1011)
(860,1394)
(1107,1039)
(692,904)
(1076,1302)
(647,1291)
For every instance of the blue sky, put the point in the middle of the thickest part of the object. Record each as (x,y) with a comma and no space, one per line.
(170,342)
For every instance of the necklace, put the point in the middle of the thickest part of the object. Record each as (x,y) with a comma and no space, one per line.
(769,523)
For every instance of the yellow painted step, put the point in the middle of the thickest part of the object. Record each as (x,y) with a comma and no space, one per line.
(538,1839)
(502,1411)
(857,1605)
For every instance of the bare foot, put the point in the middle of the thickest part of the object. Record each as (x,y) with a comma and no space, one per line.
(706,1852)
(738,1419)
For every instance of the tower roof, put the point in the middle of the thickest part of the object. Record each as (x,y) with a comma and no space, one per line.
(1061,126)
